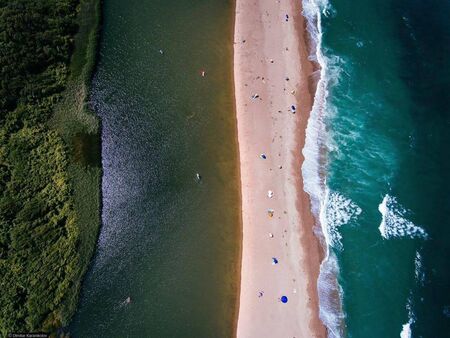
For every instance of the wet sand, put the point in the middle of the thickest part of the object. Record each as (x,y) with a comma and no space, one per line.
(272,74)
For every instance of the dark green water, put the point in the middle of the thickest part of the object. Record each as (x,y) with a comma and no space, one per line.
(386,199)
(168,242)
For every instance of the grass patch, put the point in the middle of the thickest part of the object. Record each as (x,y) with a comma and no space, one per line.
(79,126)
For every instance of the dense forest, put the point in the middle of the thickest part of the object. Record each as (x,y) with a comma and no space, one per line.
(47,138)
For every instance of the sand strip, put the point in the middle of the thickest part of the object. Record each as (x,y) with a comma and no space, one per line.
(273,102)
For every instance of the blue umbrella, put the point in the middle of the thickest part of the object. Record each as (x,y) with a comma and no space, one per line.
(284,299)
(274,260)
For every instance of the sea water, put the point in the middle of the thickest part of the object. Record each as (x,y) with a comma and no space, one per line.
(377,165)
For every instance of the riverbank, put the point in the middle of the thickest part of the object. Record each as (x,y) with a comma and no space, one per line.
(80,127)
(273,101)
(50,164)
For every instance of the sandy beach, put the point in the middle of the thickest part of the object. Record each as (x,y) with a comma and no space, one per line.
(280,253)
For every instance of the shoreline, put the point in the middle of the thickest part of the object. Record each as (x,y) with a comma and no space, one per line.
(80,126)
(238,168)
(271,60)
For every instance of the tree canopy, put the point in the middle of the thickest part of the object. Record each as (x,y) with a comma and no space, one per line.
(40,264)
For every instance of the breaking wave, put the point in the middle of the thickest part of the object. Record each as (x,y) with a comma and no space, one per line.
(330,297)
(330,209)
(393,221)
(406,328)
(406,331)
(339,211)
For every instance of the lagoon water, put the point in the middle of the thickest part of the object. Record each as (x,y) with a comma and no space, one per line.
(384,183)
(168,242)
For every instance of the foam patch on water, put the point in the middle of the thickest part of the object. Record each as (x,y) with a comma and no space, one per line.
(393,222)
(419,273)
(339,211)
(330,297)
(406,331)
(406,328)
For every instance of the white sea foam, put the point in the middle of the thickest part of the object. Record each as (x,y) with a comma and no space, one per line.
(330,294)
(406,331)
(339,210)
(419,274)
(315,131)
(393,221)
(406,328)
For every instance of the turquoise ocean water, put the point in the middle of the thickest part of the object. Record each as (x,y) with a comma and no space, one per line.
(378,166)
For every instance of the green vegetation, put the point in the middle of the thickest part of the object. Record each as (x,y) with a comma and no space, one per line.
(49,159)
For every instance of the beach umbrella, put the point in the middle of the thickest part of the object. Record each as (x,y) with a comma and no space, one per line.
(263,156)
(284,299)
(270,194)
(274,261)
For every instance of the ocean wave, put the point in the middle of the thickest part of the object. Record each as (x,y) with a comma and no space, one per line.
(393,222)
(406,328)
(313,170)
(406,331)
(419,273)
(330,297)
(313,175)
(339,210)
